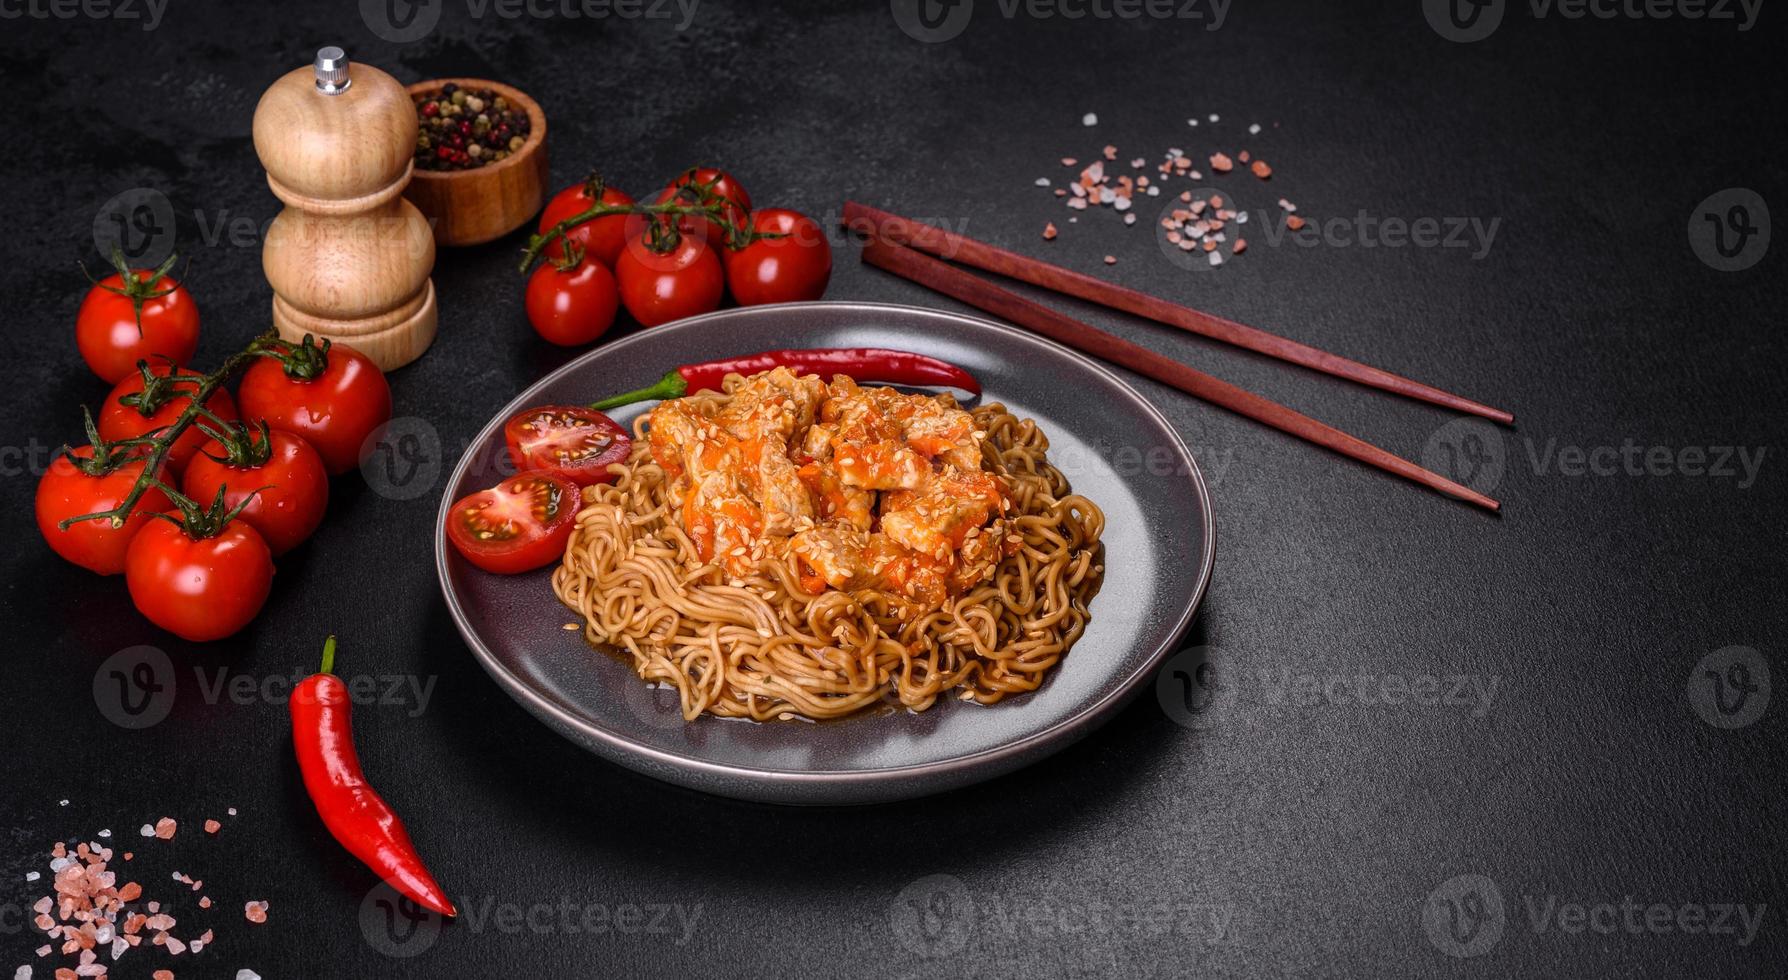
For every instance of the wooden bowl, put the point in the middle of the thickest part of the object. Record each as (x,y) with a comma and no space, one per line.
(469,207)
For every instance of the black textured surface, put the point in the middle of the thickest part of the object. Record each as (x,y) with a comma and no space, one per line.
(1318,830)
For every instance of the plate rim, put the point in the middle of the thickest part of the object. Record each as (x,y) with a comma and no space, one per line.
(1077,724)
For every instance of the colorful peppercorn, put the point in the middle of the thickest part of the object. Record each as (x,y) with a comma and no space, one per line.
(458,129)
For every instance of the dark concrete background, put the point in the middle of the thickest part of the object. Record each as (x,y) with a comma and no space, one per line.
(1321,829)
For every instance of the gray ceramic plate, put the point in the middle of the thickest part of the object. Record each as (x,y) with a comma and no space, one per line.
(1113,446)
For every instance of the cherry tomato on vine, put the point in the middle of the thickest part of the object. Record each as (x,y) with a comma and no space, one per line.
(292,481)
(331,394)
(66,490)
(569,441)
(572,306)
(658,287)
(795,266)
(133,315)
(600,238)
(122,415)
(517,525)
(707,184)
(203,588)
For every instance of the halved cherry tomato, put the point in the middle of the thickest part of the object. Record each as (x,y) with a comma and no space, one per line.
(67,491)
(118,420)
(200,589)
(572,306)
(569,441)
(707,184)
(291,478)
(785,269)
(600,238)
(334,397)
(658,287)
(517,525)
(113,338)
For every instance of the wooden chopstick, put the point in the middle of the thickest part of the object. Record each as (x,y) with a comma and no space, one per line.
(985,296)
(988,258)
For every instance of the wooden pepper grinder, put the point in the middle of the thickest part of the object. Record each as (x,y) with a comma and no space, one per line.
(349,257)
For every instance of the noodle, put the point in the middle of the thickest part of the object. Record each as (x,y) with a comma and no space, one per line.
(761,647)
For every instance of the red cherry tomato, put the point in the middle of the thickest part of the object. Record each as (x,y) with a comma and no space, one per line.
(120,421)
(788,269)
(203,589)
(110,336)
(710,185)
(660,287)
(517,525)
(66,491)
(334,401)
(291,478)
(572,306)
(600,238)
(569,441)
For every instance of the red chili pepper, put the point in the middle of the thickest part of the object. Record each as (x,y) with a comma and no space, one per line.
(870,364)
(357,816)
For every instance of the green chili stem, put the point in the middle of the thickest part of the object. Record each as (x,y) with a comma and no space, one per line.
(671,385)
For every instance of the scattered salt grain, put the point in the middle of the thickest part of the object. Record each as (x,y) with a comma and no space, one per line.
(1254,130)
(1111,260)
(146,831)
(1193,123)
(1049,231)
(1213,117)
(1216,258)
(62,803)
(231,811)
(107,833)
(255,912)
(22,973)
(1129,219)
(165,827)
(1042,181)
(211,826)
(1090,119)
(32,876)
(247,975)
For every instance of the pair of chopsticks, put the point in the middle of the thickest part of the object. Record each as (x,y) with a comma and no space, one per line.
(896,245)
